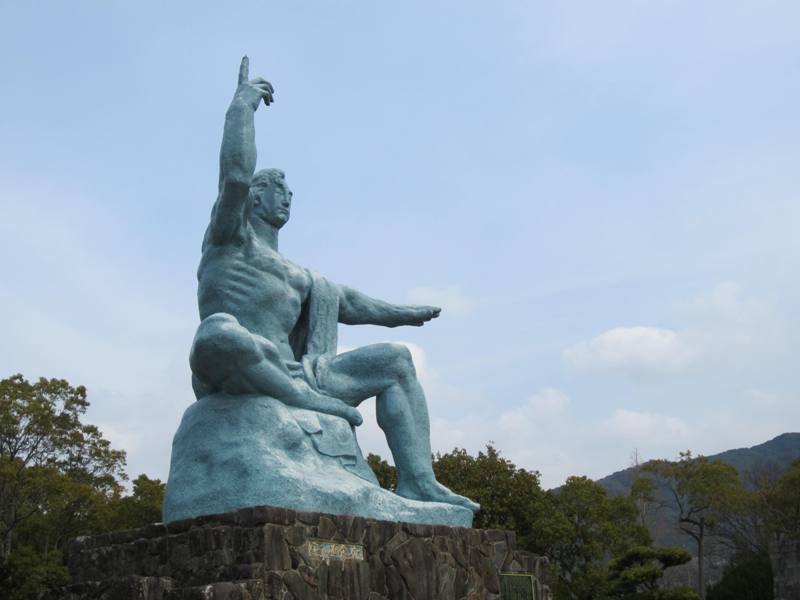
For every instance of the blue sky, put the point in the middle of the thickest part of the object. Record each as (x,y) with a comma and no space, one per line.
(602,196)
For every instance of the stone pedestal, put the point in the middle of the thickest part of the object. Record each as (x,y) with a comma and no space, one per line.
(274,553)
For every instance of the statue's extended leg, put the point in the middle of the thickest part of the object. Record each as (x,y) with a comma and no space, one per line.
(387,372)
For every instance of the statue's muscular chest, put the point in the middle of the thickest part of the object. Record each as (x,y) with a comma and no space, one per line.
(271,275)
(253,283)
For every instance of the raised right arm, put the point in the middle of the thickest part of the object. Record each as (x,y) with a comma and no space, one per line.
(237,157)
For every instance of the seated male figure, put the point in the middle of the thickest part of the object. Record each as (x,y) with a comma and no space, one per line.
(252,299)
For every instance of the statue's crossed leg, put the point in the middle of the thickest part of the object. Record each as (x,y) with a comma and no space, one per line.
(226,357)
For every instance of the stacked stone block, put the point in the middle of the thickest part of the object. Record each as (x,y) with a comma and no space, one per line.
(261,553)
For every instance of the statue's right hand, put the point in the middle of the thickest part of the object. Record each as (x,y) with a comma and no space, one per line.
(327,404)
(344,410)
(252,91)
(353,416)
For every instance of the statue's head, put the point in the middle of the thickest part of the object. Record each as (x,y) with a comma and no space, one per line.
(270,197)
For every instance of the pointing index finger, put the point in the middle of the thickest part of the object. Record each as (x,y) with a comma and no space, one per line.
(244,70)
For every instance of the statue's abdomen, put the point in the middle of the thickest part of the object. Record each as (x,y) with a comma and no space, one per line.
(255,291)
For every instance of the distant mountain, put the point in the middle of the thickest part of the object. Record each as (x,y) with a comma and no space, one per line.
(779,451)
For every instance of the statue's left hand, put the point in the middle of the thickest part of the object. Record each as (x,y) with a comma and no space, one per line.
(417,316)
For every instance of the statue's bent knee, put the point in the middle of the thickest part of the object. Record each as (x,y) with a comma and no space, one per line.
(402,362)
(219,341)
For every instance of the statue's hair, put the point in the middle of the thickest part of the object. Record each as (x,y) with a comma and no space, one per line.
(269,176)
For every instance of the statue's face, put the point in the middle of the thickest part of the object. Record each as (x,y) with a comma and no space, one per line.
(272,202)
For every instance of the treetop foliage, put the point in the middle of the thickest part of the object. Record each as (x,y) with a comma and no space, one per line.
(384,472)
(59,478)
(635,575)
(747,578)
(40,426)
(510,497)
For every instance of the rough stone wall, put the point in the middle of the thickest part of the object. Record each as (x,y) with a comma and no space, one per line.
(786,570)
(261,553)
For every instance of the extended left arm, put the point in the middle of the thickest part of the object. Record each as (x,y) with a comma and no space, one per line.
(356,308)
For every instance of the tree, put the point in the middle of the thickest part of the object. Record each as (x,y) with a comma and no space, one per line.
(386,473)
(742,517)
(45,451)
(643,494)
(746,578)
(585,528)
(700,489)
(783,507)
(635,575)
(751,519)
(140,508)
(57,478)
(510,497)
(643,489)
(27,571)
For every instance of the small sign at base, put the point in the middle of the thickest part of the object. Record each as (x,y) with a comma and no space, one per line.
(517,586)
(337,550)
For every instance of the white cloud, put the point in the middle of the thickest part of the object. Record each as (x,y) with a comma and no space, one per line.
(591,32)
(644,425)
(633,350)
(728,324)
(548,401)
(119,438)
(545,434)
(420,359)
(775,402)
(720,329)
(539,408)
(451,299)
(764,398)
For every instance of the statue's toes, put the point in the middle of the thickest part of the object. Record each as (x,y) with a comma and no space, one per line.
(467,503)
(452,498)
(436,492)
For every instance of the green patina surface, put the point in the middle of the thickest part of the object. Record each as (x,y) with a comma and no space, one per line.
(267,341)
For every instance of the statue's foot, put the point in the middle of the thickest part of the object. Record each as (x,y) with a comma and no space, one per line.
(430,490)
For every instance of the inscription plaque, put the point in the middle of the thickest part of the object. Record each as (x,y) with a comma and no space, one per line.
(338,550)
(516,586)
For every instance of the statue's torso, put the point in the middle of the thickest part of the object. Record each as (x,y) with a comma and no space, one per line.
(255,284)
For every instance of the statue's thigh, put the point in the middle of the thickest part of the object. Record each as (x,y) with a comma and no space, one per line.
(364,372)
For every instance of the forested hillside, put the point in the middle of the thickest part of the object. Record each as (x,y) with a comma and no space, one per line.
(734,532)
(779,452)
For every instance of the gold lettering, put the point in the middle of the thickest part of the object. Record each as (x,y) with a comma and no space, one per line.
(335,550)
